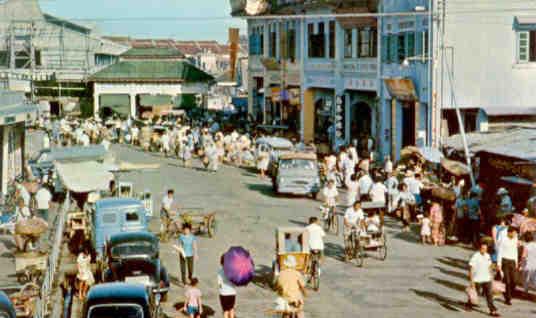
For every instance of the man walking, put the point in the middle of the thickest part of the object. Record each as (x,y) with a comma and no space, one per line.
(507,257)
(480,277)
(187,247)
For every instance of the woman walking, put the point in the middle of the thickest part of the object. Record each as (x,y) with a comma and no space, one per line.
(227,293)
(528,262)
(84,276)
(436,217)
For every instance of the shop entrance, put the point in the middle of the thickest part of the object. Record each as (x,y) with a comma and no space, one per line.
(408,124)
(361,120)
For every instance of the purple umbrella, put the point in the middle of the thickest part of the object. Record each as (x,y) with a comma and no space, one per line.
(238,266)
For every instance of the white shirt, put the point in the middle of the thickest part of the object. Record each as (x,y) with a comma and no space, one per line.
(507,249)
(377,192)
(414,185)
(354,217)
(23,213)
(25,195)
(167,202)
(365,183)
(388,166)
(316,236)
(480,267)
(84,139)
(225,287)
(43,198)
(330,194)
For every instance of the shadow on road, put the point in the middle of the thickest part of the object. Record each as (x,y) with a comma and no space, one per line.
(265,189)
(263,277)
(334,251)
(8,243)
(207,310)
(298,223)
(446,302)
(452,273)
(450,284)
(453,262)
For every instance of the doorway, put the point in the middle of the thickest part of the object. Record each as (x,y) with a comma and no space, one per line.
(408,124)
(361,120)
(55,108)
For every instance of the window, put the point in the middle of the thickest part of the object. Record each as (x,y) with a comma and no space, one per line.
(104,59)
(386,49)
(332,39)
(132,216)
(273,42)
(526,46)
(367,42)
(348,43)
(109,218)
(393,48)
(401,39)
(291,42)
(410,44)
(317,42)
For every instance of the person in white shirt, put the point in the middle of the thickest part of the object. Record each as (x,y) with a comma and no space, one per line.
(378,191)
(392,190)
(316,236)
(352,190)
(365,184)
(353,218)
(84,139)
(43,198)
(388,167)
(24,194)
(330,194)
(165,210)
(507,256)
(480,277)
(227,292)
(164,140)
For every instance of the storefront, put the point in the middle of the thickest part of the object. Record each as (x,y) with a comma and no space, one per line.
(14,112)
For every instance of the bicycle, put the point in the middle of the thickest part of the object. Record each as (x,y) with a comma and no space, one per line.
(329,217)
(314,269)
(353,248)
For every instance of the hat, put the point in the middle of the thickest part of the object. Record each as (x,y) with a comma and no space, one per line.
(290,262)
(502,191)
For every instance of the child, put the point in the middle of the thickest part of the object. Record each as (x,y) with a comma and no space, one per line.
(373,223)
(426,229)
(192,303)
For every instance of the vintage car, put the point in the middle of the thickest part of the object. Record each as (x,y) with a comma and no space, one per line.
(115,215)
(120,300)
(44,160)
(132,257)
(297,173)
(274,146)
(7,310)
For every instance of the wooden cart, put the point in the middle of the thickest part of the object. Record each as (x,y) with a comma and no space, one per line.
(202,223)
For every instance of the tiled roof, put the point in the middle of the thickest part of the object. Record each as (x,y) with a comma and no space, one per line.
(151,71)
(152,52)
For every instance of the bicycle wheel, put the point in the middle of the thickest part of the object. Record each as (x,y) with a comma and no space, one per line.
(335,223)
(327,223)
(382,250)
(359,254)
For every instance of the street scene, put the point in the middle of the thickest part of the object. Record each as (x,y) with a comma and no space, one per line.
(257,158)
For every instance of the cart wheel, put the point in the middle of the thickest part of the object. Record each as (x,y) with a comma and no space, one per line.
(360,256)
(382,250)
(275,275)
(336,224)
(315,278)
(212,228)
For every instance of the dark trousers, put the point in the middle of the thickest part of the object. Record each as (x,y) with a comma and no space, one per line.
(485,289)
(187,261)
(474,231)
(509,270)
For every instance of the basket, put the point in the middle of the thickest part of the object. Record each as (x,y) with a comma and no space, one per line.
(31,227)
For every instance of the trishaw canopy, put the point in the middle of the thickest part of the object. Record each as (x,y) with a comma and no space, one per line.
(295,231)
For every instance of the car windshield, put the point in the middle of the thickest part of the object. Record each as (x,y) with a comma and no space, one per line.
(135,248)
(115,311)
(297,164)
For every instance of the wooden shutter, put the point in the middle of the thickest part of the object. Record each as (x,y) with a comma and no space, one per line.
(393,50)
(385,49)
(523,46)
(419,44)
(532,45)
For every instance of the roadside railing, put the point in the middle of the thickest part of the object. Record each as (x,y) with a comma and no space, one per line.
(53,261)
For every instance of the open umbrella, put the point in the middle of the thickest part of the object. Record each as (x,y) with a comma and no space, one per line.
(238,266)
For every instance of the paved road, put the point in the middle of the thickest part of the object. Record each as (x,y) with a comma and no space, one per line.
(414,281)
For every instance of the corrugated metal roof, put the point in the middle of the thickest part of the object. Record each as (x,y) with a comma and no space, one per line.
(152,71)
(153,52)
(519,143)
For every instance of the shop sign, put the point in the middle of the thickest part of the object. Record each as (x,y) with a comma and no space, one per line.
(320,81)
(359,84)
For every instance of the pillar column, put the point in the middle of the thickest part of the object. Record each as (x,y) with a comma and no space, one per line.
(132,98)
(96,100)
(5,157)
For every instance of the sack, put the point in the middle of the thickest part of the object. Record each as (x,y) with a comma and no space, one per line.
(472,295)
(498,287)
(33,227)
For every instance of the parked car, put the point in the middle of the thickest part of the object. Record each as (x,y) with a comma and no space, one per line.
(120,300)
(112,216)
(6,307)
(275,146)
(43,162)
(133,257)
(297,173)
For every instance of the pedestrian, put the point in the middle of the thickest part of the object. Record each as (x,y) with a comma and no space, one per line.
(473,215)
(352,190)
(378,191)
(85,275)
(43,198)
(227,292)
(330,194)
(436,221)
(365,184)
(480,277)
(46,141)
(404,201)
(391,183)
(291,286)
(498,232)
(263,159)
(505,203)
(187,247)
(22,213)
(165,210)
(528,262)
(316,236)
(507,256)
(460,224)
(193,306)
(426,229)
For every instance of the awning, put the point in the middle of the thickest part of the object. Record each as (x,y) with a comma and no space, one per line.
(83,177)
(401,89)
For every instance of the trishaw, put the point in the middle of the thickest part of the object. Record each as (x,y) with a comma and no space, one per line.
(359,241)
(294,241)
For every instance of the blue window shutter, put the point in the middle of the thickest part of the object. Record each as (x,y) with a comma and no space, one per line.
(418,44)
(255,44)
(385,48)
(410,44)
(393,48)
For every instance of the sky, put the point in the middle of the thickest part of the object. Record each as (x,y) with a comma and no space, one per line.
(177,19)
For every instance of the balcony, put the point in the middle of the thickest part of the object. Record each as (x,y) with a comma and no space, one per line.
(293,6)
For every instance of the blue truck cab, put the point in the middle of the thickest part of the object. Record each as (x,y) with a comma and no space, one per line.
(116,215)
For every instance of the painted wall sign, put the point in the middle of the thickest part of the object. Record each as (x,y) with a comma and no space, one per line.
(360,84)
(320,81)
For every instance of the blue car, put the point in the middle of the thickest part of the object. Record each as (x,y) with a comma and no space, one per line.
(6,307)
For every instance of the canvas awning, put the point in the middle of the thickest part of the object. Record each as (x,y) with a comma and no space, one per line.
(85,176)
(401,88)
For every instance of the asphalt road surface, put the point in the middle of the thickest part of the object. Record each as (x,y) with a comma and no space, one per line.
(414,280)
